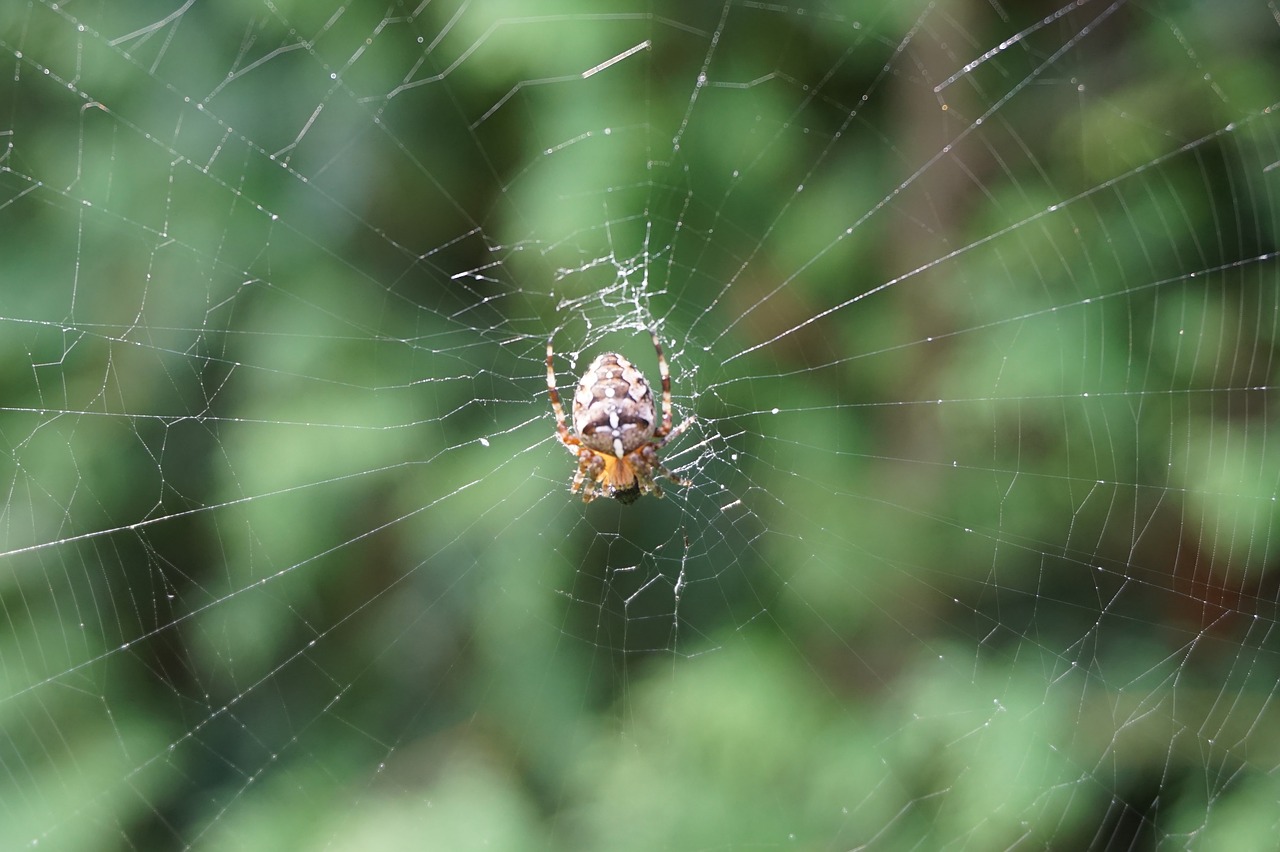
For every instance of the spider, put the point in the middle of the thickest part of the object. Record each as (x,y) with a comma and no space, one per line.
(615,437)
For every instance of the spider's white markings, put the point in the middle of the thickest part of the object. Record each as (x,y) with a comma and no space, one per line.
(615,435)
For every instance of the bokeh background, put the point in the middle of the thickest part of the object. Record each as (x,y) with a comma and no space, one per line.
(975,305)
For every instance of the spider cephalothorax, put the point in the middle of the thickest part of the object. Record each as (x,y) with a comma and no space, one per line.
(616,434)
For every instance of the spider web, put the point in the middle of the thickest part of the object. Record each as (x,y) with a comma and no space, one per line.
(975,305)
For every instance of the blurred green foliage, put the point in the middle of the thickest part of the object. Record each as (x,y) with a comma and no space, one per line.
(979,550)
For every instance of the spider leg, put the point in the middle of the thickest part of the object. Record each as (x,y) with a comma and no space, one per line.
(674,477)
(581,483)
(590,467)
(665,373)
(651,467)
(570,441)
(644,462)
(671,435)
(651,487)
(665,432)
(556,406)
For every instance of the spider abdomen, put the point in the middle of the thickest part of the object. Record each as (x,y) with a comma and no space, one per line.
(613,409)
(616,434)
